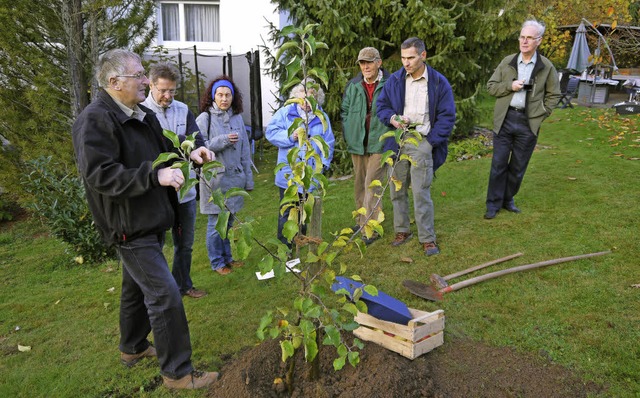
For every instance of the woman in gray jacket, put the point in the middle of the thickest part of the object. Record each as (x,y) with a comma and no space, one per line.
(224,132)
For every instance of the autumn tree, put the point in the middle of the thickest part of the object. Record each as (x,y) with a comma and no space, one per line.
(614,13)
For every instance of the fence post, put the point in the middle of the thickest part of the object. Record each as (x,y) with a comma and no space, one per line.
(195,62)
(180,65)
(230,63)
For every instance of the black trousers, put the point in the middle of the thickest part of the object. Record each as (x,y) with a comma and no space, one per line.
(151,301)
(512,150)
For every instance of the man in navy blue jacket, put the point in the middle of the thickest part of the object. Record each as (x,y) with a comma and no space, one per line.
(417,93)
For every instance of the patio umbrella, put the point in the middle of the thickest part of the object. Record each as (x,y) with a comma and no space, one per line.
(579,58)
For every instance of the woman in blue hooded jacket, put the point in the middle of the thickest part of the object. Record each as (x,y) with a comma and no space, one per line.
(277,133)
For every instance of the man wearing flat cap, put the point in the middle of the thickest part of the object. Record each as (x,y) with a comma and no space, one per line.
(362,130)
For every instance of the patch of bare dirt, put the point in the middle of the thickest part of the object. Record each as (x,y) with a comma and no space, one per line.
(460,368)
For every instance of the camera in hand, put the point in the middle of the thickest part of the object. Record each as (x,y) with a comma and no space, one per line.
(528,85)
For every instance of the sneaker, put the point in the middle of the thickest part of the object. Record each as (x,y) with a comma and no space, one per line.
(401,237)
(131,359)
(195,293)
(235,264)
(223,270)
(192,381)
(430,248)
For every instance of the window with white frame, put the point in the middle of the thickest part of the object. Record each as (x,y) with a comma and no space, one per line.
(189,21)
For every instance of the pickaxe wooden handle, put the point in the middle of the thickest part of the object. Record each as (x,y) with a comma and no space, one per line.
(430,293)
(440,282)
(481,266)
(477,279)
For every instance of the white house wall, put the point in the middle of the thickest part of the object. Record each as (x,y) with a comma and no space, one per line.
(243,28)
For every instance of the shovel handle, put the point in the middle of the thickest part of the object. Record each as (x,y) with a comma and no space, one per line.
(477,279)
(481,266)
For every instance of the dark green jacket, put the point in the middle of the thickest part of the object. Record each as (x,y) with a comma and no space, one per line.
(540,101)
(354,112)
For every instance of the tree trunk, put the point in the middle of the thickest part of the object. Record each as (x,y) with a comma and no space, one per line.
(73,26)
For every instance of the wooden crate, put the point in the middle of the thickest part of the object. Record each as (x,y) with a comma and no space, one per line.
(423,333)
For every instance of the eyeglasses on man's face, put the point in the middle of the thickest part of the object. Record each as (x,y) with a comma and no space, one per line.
(138,75)
(528,38)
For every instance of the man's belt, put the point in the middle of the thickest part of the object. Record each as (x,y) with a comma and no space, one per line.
(513,108)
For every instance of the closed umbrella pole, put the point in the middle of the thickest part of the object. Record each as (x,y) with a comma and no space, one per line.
(580,53)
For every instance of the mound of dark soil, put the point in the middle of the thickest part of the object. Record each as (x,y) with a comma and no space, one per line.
(460,368)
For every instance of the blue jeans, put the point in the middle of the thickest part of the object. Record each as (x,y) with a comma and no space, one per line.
(183,236)
(512,150)
(151,301)
(219,249)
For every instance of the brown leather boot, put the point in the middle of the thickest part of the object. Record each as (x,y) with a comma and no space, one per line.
(131,359)
(192,381)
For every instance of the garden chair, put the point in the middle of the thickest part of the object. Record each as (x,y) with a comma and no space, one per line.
(569,93)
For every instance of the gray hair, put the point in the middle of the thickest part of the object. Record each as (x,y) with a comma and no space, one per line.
(164,70)
(114,62)
(538,25)
(415,42)
(298,91)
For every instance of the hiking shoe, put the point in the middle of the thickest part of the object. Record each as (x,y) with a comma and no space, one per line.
(235,264)
(195,293)
(430,248)
(131,359)
(401,237)
(223,270)
(192,381)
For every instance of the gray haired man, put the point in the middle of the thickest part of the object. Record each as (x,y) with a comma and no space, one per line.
(527,89)
(175,116)
(116,141)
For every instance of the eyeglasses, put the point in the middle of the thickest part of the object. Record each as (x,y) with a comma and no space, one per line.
(528,38)
(164,91)
(138,75)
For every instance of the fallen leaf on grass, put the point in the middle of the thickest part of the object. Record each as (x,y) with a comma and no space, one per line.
(571,178)
(24,348)
(633,158)
(637,285)
(56,303)
(407,260)
(111,289)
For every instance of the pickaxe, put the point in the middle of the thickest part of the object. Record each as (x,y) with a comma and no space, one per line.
(433,294)
(440,282)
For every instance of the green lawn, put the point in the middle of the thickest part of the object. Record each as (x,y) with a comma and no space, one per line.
(580,195)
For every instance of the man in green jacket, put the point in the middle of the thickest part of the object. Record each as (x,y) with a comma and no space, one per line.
(362,131)
(526,88)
